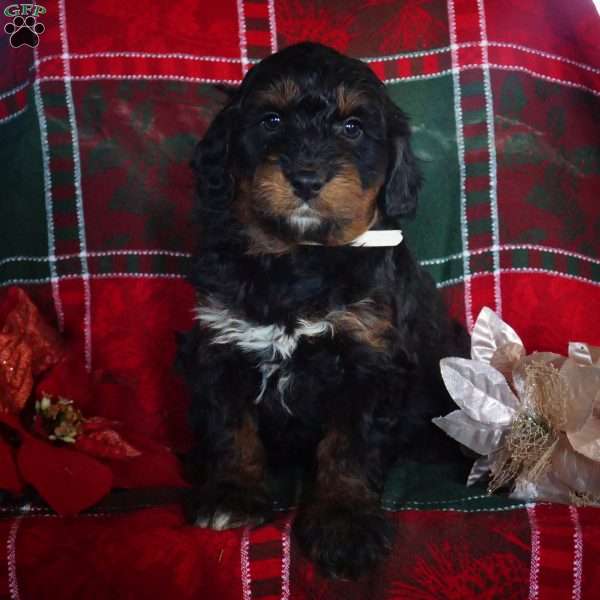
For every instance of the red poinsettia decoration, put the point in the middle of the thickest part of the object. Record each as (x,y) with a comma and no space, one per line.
(73,460)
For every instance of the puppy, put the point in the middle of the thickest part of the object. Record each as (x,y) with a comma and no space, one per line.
(307,349)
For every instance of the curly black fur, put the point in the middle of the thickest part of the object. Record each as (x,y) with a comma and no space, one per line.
(347,399)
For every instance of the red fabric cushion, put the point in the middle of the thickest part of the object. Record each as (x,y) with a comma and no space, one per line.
(95,221)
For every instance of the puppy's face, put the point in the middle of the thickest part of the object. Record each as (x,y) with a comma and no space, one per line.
(313,140)
(312,158)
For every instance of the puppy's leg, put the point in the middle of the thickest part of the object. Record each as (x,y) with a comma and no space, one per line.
(233,492)
(227,464)
(342,528)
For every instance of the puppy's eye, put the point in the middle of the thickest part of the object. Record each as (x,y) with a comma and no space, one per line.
(352,127)
(271,122)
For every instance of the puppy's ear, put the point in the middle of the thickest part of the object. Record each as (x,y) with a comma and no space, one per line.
(403,179)
(211,161)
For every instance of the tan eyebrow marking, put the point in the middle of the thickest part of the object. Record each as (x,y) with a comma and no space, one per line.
(348,100)
(280,93)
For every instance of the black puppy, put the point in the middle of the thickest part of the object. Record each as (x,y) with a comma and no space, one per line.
(306,348)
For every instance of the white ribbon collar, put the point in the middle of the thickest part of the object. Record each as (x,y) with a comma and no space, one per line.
(374,239)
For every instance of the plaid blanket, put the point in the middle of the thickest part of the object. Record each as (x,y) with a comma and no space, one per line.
(97,124)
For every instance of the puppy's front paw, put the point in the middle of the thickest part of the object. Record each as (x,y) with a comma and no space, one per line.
(344,541)
(227,506)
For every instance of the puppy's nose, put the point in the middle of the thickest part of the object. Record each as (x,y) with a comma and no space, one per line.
(307,184)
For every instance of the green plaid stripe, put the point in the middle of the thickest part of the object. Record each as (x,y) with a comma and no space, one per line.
(557,261)
(435,232)
(13,270)
(514,256)
(477,160)
(22,211)
(158,263)
(61,152)
(415,486)
(100,264)
(444,269)
(410,485)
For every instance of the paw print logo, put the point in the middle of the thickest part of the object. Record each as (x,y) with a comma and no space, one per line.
(24,31)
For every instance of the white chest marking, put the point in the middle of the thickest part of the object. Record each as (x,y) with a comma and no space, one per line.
(271,343)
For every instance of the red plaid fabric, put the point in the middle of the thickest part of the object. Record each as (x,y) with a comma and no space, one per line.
(544,552)
(97,124)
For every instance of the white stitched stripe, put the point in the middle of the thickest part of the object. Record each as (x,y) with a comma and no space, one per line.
(152,55)
(140,275)
(87,292)
(11,559)
(101,76)
(545,77)
(577,553)
(545,55)
(459,280)
(245,565)
(13,115)
(39,105)
(96,254)
(42,280)
(418,77)
(491,139)
(551,250)
(509,247)
(541,272)
(534,571)
(273,26)
(450,282)
(286,560)
(14,90)
(124,275)
(425,262)
(443,259)
(460,143)
(452,501)
(526,49)
(401,55)
(367,59)
(242,36)
(185,78)
(393,508)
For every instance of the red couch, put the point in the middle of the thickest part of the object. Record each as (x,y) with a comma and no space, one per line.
(97,124)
